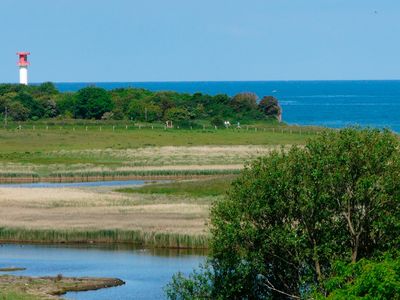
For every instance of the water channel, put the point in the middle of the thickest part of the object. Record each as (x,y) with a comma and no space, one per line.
(145,271)
(111,183)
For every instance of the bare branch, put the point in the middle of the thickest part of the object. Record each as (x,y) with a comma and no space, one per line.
(271,287)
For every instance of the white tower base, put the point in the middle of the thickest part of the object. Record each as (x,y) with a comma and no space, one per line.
(23,75)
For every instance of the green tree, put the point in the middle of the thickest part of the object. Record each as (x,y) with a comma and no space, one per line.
(34,106)
(243,102)
(47,88)
(217,121)
(367,279)
(92,102)
(123,97)
(163,99)
(50,108)
(292,213)
(269,105)
(147,112)
(18,112)
(136,110)
(177,115)
(65,103)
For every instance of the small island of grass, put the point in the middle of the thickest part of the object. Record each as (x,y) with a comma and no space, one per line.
(35,288)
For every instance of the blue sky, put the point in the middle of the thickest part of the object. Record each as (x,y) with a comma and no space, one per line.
(189,40)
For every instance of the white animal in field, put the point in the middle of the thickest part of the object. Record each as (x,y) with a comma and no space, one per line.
(227,124)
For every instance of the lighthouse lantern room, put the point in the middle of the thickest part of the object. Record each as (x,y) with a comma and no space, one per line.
(23,67)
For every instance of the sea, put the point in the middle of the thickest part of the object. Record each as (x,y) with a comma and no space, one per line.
(336,104)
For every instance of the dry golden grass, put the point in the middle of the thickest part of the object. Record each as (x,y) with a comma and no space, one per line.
(100,208)
(146,158)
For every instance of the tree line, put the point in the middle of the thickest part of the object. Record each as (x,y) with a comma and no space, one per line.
(34,102)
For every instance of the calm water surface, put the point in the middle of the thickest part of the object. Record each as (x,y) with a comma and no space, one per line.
(79,184)
(144,271)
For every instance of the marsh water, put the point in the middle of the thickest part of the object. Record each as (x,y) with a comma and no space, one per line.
(145,271)
(80,184)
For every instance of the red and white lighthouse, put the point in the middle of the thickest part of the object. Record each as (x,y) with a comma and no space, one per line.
(23,67)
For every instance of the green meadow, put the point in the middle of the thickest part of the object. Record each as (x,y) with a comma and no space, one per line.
(194,188)
(59,150)
(200,164)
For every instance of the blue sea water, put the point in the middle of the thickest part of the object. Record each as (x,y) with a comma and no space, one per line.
(325,103)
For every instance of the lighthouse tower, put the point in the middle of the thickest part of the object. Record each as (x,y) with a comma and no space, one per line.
(23,67)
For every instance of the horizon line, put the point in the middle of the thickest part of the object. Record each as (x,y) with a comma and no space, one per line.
(212,81)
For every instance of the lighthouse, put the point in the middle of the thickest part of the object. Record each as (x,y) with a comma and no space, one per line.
(23,67)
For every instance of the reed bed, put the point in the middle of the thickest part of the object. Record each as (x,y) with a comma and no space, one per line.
(18,177)
(135,237)
(113,175)
(144,173)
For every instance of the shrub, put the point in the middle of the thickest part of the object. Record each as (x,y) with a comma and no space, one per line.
(290,215)
(217,121)
(366,279)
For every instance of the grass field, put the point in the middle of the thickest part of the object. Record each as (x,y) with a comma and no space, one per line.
(39,140)
(42,152)
(172,214)
(195,188)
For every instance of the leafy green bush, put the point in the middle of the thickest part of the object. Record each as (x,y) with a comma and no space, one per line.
(367,279)
(290,215)
(217,121)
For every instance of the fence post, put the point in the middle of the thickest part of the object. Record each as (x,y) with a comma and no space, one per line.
(86,128)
